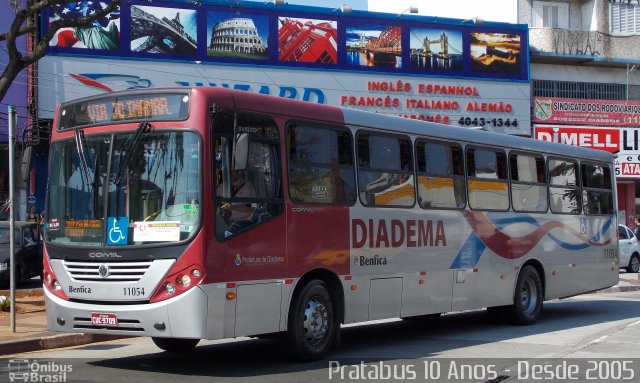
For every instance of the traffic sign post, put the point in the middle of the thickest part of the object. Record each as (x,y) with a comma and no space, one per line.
(12,256)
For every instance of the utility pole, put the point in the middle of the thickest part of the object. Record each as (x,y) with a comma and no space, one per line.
(12,256)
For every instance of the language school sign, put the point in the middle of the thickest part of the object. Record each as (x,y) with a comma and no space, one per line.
(625,142)
(586,112)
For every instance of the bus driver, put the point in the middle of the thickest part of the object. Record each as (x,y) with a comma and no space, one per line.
(235,213)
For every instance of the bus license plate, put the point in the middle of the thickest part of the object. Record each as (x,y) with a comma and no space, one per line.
(104,320)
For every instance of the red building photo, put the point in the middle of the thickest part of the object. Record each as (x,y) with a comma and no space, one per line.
(307,40)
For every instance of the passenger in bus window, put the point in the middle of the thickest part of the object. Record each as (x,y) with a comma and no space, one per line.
(241,187)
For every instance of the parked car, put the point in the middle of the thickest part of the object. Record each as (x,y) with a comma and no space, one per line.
(27,248)
(628,249)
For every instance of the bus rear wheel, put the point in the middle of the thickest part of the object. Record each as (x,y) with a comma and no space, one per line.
(528,298)
(175,344)
(312,326)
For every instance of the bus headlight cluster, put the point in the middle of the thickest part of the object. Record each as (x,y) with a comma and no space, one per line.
(56,286)
(184,280)
(178,282)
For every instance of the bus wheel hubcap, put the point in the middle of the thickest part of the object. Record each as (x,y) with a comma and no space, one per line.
(316,321)
(529,296)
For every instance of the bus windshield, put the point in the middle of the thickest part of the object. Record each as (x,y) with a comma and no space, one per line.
(150,184)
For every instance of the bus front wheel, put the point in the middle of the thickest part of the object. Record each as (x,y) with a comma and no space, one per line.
(175,344)
(528,298)
(312,326)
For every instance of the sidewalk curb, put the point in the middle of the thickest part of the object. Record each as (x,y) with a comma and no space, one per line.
(619,289)
(53,341)
(24,293)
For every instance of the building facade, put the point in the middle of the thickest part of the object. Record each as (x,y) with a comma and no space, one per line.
(585,81)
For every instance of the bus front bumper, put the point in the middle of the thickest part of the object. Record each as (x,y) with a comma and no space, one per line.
(184,316)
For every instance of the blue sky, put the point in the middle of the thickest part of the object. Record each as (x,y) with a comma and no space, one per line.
(494,10)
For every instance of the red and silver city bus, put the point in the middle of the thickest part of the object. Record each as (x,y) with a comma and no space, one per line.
(205,213)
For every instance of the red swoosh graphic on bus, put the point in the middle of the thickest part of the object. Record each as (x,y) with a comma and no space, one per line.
(90,82)
(515,247)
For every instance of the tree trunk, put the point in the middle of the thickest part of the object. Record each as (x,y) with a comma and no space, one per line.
(9,74)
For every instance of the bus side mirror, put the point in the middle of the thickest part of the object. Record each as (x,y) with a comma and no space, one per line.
(241,152)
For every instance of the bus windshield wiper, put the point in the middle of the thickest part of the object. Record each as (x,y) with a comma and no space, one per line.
(131,145)
(80,145)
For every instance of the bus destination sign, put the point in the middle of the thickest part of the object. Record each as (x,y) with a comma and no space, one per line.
(116,109)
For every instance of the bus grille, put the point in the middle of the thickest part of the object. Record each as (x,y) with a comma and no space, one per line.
(112,271)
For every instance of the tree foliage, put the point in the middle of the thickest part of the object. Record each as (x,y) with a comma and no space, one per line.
(24,23)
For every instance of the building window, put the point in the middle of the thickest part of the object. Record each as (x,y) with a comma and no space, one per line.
(625,18)
(550,14)
(585,90)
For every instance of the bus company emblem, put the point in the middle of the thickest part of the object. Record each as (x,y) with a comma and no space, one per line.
(238,260)
(104,271)
(363,261)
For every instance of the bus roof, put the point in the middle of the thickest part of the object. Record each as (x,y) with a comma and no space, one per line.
(354,117)
(296,109)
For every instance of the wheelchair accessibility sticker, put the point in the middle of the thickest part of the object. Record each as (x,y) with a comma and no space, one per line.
(117,230)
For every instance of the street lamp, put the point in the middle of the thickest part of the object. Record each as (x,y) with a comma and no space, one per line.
(411,9)
(475,20)
(344,8)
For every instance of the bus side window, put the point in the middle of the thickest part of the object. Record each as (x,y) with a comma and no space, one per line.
(487,185)
(597,196)
(440,176)
(528,186)
(382,181)
(564,193)
(321,169)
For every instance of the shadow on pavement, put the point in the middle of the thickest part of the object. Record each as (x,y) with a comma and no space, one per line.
(397,340)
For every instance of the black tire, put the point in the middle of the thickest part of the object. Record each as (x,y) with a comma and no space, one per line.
(19,274)
(498,314)
(312,325)
(634,264)
(527,300)
(175,344)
